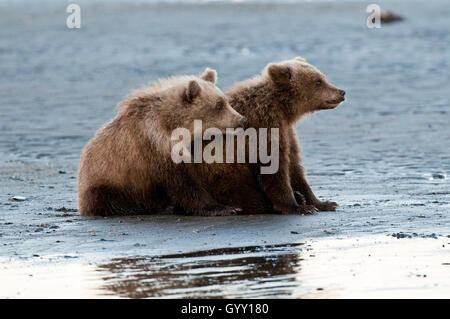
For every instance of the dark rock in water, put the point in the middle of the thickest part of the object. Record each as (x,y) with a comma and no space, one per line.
(439,176)
(401,235)
(388,16)
(63,209)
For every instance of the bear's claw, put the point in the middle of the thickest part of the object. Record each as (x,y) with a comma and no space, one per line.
(307,210)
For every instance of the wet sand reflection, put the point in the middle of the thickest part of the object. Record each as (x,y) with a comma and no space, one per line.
(251,272)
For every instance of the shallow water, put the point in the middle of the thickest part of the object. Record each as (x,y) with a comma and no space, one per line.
(383,155)
(59,85)
(373,267)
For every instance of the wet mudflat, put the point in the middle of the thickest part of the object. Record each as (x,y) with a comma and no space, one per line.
(383,155)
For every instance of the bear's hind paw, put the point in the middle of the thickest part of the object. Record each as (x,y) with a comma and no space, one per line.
(221,210)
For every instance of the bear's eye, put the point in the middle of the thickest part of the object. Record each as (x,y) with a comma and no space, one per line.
(220,105)
(319,83)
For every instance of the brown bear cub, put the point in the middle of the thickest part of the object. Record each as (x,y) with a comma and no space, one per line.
(127,167)
(278,98)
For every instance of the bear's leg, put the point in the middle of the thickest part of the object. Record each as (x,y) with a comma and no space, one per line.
(108,201)
(186,193)
(300,184)
(255,202)
(246,194)
(298,178)
(277,186)
(278,189)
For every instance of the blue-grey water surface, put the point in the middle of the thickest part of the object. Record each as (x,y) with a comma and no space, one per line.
(383,155)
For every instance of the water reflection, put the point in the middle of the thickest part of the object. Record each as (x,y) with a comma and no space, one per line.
(251,272)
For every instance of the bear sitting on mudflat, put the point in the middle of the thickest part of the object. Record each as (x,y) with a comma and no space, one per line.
(278,98)
(127,167)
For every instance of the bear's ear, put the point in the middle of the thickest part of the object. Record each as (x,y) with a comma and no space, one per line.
(209,75)
(192,91)
(299,58)
(280,74)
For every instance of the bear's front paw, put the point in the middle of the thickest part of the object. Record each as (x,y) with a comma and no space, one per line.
(326,206)
(307,210)
(297,210)
(222,210)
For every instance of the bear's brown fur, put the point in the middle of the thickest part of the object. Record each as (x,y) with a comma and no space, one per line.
(127,167)
(278,98)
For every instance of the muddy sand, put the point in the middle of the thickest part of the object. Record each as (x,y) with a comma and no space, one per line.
(384,155)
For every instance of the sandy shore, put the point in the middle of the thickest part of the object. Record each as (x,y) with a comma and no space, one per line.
(383,155)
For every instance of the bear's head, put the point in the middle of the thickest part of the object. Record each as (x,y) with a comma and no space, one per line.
(306,87)
(202,100)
